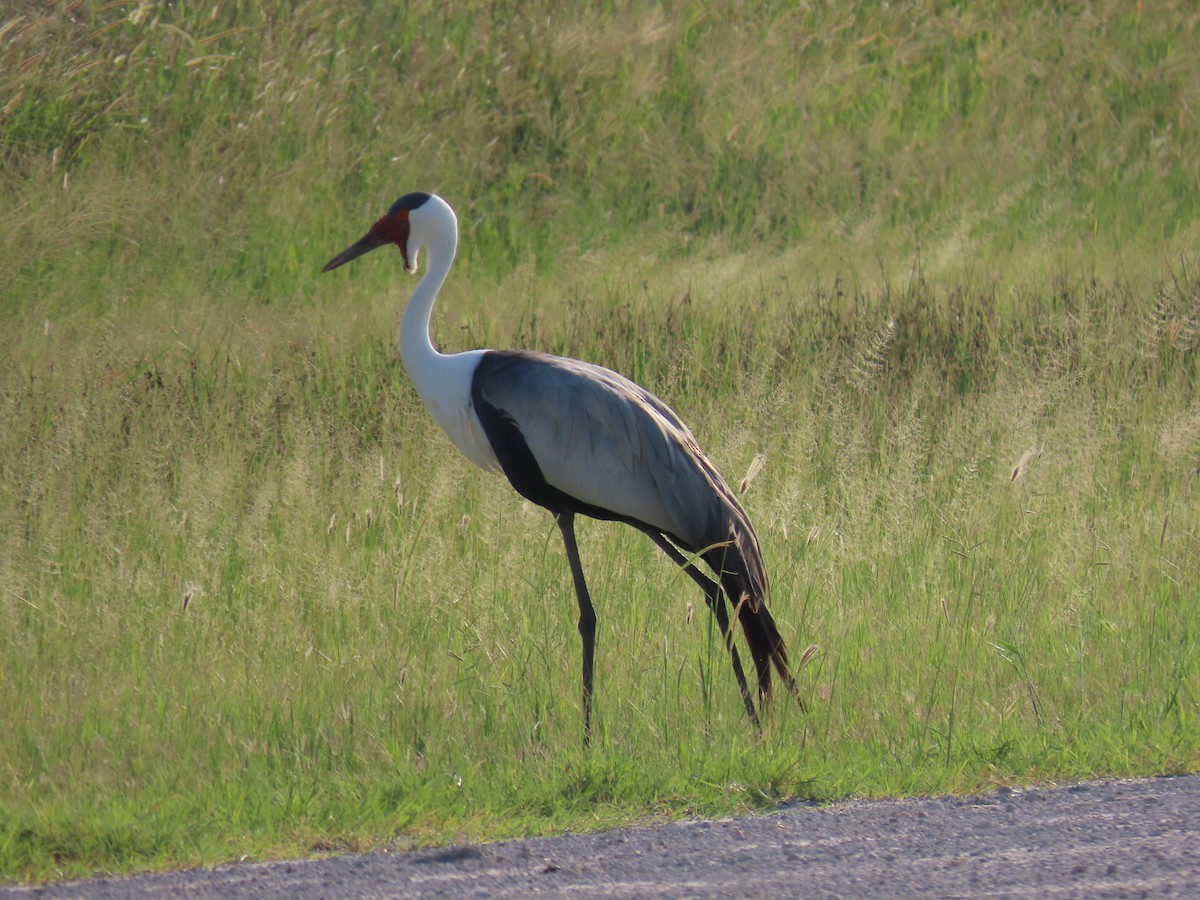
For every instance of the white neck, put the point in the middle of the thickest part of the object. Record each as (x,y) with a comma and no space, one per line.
(443,380)
(416,349)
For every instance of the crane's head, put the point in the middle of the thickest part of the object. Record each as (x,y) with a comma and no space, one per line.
(402,226)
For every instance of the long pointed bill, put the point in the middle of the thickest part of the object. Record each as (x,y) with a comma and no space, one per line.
(368,242)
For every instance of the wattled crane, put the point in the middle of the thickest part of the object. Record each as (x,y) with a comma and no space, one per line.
(577,438)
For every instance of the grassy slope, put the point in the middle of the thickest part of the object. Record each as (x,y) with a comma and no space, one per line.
(932,265)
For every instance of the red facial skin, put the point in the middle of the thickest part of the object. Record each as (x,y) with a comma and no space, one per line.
(394,230)
(391,229)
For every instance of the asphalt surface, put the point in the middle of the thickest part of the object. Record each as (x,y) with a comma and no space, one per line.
(1102,839)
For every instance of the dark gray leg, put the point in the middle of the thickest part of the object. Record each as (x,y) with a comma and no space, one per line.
(587,617)
(716,602)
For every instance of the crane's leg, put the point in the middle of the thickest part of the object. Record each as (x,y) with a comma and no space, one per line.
(587,617)
(716,602)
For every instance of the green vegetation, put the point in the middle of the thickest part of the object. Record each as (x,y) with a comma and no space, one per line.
(934,264)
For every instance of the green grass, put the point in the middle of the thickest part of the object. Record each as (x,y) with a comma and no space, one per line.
(934,266)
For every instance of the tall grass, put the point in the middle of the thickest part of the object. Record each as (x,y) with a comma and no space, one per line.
(932,266)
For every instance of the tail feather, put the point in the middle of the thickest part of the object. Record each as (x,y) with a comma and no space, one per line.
(737,560)
(762,635)
(736,570)
(766,647)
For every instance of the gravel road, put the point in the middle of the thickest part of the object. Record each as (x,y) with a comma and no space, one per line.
(1109,838)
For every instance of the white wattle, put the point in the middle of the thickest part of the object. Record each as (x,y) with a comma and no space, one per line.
(442,380)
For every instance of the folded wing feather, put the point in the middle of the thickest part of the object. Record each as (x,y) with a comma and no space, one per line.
(602,439)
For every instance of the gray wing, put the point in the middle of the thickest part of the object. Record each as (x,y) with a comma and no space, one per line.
(601,439)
